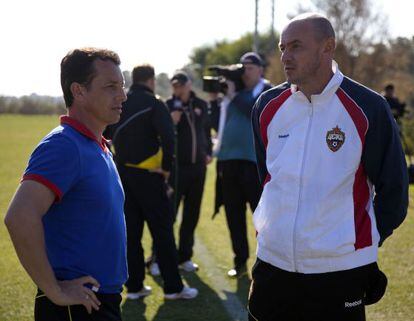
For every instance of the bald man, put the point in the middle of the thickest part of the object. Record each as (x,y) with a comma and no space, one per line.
(324,143)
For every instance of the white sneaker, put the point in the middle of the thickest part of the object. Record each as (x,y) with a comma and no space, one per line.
(154,269)
(146,290)
(188,266)
(186,293)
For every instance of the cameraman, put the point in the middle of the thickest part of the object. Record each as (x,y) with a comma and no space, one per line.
(193,153)
(237,178)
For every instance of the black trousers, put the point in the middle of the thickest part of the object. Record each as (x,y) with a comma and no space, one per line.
(189,185)
(278,295)
(46,310)
(146,201)
(240,185)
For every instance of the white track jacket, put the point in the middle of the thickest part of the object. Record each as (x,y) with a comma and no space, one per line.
(334,175)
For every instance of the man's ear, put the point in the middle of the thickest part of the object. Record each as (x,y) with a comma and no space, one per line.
(78,91)
(330,45)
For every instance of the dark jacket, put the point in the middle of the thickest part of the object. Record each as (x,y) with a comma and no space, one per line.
(145,127)
(192,131)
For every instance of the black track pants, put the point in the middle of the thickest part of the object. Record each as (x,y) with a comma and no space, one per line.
(146,201)
(189,189)
(278,295)
(240,185)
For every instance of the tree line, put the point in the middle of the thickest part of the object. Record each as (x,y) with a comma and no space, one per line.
(47,105)
(32,105)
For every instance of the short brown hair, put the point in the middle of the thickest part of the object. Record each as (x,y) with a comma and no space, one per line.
(142,73)
(77,66)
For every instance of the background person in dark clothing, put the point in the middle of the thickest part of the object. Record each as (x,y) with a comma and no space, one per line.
(237,173)
(144,146)
(397,108)
(189,114)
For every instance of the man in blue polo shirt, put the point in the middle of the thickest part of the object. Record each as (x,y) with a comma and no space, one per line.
(66,219)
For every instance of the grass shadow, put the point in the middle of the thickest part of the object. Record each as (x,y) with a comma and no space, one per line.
(134,310)
(207,306)
(243,286)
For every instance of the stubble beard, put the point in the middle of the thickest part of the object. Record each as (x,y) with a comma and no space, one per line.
(309,73)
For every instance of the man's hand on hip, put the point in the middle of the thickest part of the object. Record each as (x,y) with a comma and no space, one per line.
(74,292)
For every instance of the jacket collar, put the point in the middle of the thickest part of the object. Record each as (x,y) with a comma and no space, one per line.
(82,129)
(140,87)
(329,90)
(258,89)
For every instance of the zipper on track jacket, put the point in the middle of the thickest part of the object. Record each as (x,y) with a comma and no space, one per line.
(301,186)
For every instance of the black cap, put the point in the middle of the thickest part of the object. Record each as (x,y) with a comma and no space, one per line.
(251,58)
(180,77)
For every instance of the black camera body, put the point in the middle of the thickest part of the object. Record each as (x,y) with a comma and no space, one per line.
(217,84)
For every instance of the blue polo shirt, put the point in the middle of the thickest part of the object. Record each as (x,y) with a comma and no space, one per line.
(85,228)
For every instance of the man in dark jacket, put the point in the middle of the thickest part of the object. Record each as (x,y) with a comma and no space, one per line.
(397,108)
(144,146)
(190,117)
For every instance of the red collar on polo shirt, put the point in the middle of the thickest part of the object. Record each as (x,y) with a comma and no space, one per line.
(81,128)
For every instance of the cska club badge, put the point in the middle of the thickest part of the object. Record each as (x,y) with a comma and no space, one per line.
(335,138)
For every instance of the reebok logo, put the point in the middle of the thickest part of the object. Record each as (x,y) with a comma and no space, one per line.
(353,304)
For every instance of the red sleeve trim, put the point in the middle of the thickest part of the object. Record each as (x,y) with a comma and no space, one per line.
(269,111)
(42,180)
(361,192)
(362,220)
(267,179)
(356,113)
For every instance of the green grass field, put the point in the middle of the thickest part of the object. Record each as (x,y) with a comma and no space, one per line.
(220,298)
